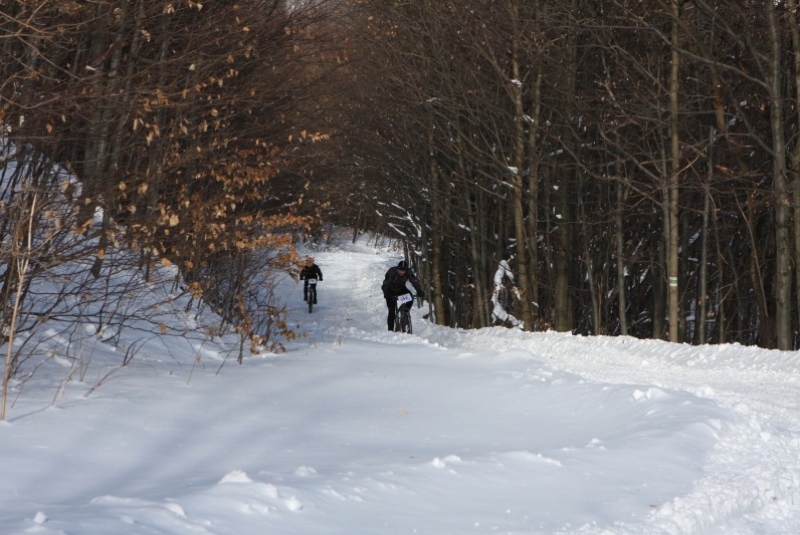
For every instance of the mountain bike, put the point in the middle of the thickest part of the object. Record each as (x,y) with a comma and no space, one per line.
(402,314)
(312,293)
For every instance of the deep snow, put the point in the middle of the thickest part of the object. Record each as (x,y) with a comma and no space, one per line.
(356,430)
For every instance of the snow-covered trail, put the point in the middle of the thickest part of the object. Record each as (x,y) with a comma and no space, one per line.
(359,430)
(349,297)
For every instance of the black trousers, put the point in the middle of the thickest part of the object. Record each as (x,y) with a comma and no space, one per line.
(305,291)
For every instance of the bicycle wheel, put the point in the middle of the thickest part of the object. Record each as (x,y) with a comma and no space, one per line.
(405,320)
(312,296)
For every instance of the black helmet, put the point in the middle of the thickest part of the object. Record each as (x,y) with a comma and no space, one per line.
(402,265)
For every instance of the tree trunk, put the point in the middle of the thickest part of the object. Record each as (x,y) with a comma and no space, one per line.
(719,317)
(533,178)
(533,196)
(483,259)
(595,292)
(621,293)
(547,308)
(783,275)
(517,190)
(436,233)
(702,286)
(765,325)
(672,189)
(794,24)
(478,295)
(564,252)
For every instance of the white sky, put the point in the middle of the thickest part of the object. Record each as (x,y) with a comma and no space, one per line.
(356,430)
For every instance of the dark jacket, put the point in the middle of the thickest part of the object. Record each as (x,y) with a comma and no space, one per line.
(311,272)
(394,284)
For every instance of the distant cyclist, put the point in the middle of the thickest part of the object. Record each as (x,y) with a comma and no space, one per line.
(394,284)
(310,271)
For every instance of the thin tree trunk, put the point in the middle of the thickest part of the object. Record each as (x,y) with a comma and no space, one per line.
(661,309)
(533,178)
(621,293)
(783,275)
(21,259)
(594,290)
(436,243)
(794,24)
(564,252)
(517,190)
(702,287)
(684,263)
(548,252)
(484,260)
(673,189)
(764,321)
(479,296)
(720,297)
(533,196)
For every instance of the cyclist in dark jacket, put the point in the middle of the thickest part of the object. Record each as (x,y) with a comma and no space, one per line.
(310,271)
(394,284)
